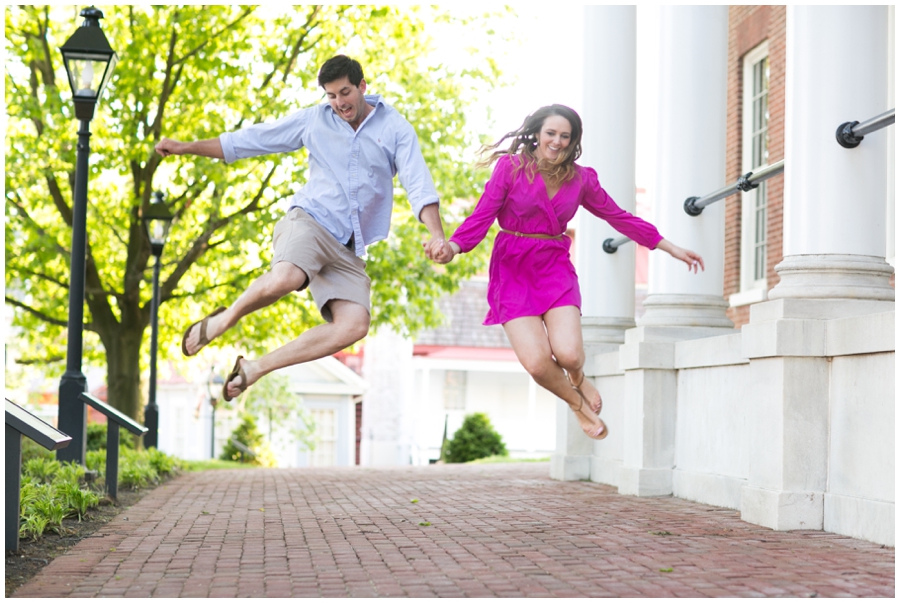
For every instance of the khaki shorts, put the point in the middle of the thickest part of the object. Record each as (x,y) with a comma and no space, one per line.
(333,271)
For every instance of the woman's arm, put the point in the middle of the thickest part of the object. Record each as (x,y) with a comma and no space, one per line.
(474,228)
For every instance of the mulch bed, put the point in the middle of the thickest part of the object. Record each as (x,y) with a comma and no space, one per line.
(33,556)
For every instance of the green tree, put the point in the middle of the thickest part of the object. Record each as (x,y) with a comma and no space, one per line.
(475,439)
(273,403)
(191,72)
(250,437)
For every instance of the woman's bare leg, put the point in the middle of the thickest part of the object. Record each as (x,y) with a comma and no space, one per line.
(564,330)
(531,343)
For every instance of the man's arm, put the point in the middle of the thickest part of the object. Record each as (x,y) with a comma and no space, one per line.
(211,147)
(431,217)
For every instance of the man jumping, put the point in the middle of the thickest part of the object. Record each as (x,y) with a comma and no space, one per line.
(356,144)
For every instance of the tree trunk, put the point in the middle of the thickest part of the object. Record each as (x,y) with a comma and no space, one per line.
(123,370)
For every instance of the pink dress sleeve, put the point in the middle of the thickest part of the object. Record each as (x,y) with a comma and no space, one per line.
(598,202)
(474,228)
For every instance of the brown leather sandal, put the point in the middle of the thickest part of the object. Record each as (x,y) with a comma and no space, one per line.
(237,371)
(203,338)
(577,388)
(602,431)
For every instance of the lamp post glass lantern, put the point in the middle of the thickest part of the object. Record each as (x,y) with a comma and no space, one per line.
(89,62)
(157,220)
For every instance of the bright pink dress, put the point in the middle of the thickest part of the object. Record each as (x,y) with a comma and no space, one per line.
(529,276)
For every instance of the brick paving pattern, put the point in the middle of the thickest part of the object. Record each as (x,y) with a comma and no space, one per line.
(495,531)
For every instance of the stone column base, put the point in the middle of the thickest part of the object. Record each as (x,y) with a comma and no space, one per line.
(783,510)
(685,310)
(572,459)
(597,330)
(605,471)
(570,468)
(860,518)
(635,481)
(833,276)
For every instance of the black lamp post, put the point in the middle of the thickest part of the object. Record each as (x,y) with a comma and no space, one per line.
(157,220)
(214,385)
(89,62)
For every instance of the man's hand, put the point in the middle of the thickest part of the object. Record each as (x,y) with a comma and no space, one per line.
(210,147)
(446,254)
(167,146)
(434,248)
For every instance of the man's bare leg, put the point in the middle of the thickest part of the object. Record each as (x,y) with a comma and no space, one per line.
(350,324)
(282,279)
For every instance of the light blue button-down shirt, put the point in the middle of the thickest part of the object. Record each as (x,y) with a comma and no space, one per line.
(350,188)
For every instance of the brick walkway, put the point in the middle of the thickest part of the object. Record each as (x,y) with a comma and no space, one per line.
(495,530)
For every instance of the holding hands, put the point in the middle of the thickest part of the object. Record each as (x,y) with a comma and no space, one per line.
(440,251)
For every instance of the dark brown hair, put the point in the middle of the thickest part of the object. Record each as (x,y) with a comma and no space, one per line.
(525,141)
(337,67)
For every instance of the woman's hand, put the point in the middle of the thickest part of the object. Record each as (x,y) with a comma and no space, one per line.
(440,250)
(692,259)
(447,253)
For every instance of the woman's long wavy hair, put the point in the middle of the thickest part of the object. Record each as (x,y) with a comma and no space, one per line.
(525,143)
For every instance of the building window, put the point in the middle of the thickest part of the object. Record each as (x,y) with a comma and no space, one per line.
(755,138)
(454,390)
(323,455)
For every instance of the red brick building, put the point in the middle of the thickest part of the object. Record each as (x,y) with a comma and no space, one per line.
(756,47)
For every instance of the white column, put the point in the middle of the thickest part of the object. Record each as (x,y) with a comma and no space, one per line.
(834,210)
(891,153)
(690,162)
(834,267)
(680,304)
(387,367)
(607,280)
(608,143)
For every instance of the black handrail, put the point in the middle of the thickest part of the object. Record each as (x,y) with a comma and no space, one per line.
(850,133)
(20,422)
(693,206)
(114,420)
(610,245)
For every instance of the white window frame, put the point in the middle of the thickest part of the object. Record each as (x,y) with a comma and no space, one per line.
(752,289)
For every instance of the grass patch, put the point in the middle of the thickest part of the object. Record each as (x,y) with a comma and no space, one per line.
(506,459)
(208,464)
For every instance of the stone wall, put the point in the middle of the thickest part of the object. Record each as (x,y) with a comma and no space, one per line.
(793,438)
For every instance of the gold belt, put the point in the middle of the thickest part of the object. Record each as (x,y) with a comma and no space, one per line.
(531,236)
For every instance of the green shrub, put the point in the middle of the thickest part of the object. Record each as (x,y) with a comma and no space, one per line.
(95,460)
(41,469)
(33,450)
(96,437)
(70,472)
(162,462)
(76,499)
(51,491)
(248,434)
(476,439)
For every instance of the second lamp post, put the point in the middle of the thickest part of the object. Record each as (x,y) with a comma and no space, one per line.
(157,220)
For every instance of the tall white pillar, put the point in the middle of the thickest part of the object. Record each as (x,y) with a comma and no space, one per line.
(690,162)
(387,405)
(834,210)
(834,267)
(680,304)
(606,280)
